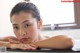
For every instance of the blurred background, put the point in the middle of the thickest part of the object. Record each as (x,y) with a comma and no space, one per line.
(59,18)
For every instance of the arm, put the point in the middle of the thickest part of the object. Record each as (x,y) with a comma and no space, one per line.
(6,41)
(6,44)
(57,42)
(13,43)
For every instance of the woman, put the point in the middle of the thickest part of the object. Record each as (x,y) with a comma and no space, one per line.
(26,21)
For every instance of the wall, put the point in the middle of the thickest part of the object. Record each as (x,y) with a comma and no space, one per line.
(75,33)
(5,8)
(6,27)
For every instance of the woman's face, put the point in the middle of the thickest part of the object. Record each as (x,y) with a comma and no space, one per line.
(26,28)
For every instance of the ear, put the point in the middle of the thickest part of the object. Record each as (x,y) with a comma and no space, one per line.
(40,24)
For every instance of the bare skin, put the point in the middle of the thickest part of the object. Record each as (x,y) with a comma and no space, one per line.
(14,43)
(26,29)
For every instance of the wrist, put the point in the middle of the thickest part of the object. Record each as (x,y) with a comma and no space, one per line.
(35,43)
(14,46)
(8,44)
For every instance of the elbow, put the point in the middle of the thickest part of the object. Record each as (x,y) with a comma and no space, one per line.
(69,43)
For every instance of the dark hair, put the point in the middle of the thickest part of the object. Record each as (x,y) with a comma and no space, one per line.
(26,7)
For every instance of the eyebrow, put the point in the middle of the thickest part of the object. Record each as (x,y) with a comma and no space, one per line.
(15,24)
(25,21)
(22,22)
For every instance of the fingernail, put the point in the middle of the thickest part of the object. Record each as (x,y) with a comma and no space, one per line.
(34,48)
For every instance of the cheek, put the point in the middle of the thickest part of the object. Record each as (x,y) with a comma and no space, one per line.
(17,34)
(32,32)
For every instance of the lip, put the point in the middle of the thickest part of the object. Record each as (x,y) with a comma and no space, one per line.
(24,39)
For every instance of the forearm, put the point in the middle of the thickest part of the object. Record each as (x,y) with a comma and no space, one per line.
(6,44)
(55,43)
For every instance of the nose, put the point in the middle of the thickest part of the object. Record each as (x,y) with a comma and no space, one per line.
(22,32)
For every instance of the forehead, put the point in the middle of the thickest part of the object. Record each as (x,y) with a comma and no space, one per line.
(21,17)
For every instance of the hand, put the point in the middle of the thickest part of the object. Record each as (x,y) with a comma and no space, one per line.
(14,41)
(23,46)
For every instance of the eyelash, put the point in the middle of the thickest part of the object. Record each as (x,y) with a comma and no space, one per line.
(27,25)
(16,28)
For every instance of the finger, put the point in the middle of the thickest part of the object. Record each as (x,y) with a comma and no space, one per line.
(14,46)
(29,47)
(33,45)
(22,46)
(13,41)
(26,47)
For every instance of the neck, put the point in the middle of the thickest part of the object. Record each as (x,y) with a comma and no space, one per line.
(41,37)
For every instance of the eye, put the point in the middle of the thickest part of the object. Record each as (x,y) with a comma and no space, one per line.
(16,28)
(27,25)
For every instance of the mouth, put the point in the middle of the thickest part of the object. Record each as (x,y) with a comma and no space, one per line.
(23,40)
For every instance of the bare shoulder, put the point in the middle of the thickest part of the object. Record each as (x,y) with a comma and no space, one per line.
(45,37)
(57,36)
(7,38)
(62,36)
